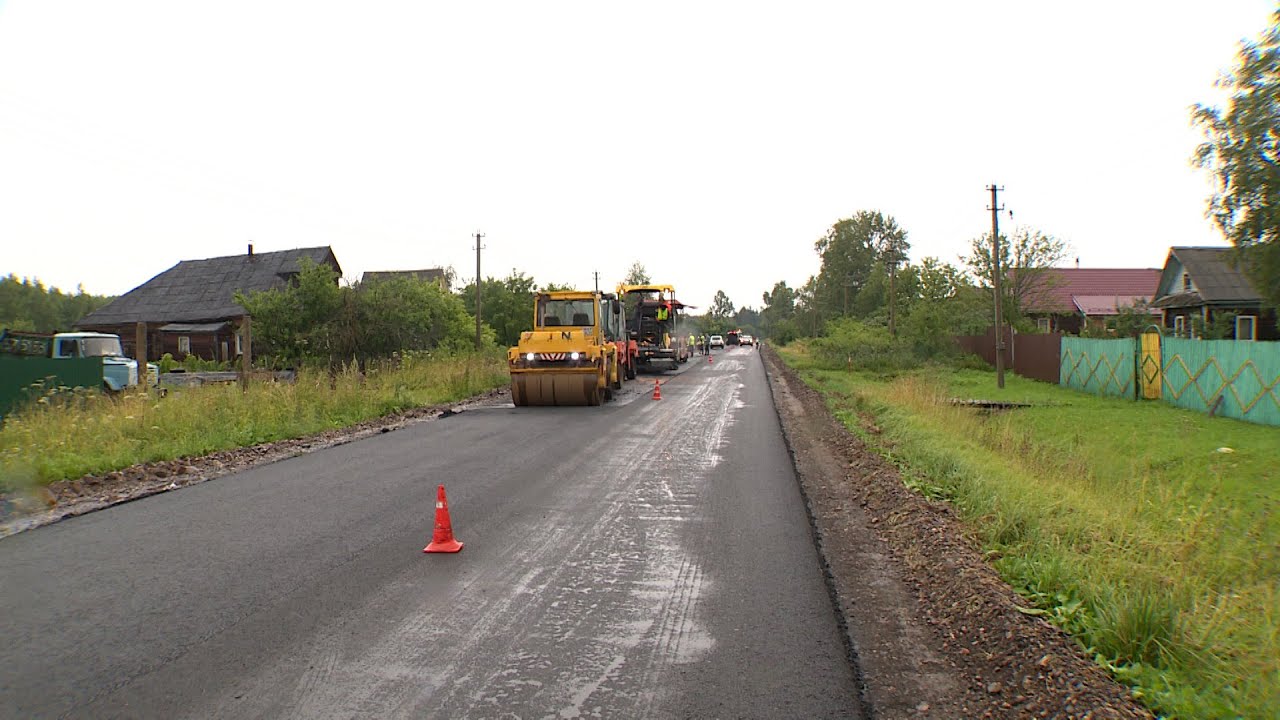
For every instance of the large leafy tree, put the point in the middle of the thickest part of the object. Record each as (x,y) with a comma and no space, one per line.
(779,303)
(721,306)
(943,304)
(507,305)
(316,320)
(1242,149)
(1024,258)
(637,275)
(850,252)
(296,322)
(387,316)
(719,318)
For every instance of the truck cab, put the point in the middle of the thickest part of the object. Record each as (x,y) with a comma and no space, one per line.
(118,371)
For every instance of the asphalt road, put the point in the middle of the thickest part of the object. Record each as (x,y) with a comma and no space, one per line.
(641,559)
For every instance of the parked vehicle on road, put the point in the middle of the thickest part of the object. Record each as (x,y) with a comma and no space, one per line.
(717,341)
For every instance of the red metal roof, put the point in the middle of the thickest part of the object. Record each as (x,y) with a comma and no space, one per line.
(1060,285)
(1108,304)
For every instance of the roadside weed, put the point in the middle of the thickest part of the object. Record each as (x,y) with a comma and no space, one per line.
(65,439)
(1122,522)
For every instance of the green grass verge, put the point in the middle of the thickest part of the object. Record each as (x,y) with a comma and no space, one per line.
(64,437)
(1148,532)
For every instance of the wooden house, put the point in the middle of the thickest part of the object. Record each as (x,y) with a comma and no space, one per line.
(436,275)
(1202,284)
(190,308)
(1067,299)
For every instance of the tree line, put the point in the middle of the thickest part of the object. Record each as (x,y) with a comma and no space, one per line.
(27,304)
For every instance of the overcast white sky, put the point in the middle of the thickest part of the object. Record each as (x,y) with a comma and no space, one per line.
(713,142)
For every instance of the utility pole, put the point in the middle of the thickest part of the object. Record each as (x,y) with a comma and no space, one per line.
(995,282)
(478,247)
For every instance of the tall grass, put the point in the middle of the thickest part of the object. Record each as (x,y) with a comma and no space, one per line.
(68,436)
(1149,532)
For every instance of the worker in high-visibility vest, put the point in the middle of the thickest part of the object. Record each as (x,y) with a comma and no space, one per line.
(664,312)
(693,344)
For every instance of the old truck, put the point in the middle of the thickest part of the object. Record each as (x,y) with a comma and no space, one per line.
(117,371)
(653,321)
(571,356)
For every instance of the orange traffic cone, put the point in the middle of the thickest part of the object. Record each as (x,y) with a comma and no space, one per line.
(657,390)
(708,357)
(442,539)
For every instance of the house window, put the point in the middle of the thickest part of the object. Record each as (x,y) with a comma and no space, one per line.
(1043,325)
(1246,327)
(184,344)
(1186,282)
(1180,325)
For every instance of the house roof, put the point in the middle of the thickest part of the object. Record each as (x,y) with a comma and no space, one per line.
(427,274)
(1107,304)
(1214,278)
(1058,288)
(202,290)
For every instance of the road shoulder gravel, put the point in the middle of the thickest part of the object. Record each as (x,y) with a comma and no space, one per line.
(933,629)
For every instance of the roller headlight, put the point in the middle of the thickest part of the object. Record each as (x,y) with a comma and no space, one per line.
(529,357)
(574,356)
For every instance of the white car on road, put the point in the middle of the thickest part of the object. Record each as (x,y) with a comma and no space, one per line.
(717,341)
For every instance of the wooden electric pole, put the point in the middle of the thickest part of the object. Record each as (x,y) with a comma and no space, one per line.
(995,283)
(478,246)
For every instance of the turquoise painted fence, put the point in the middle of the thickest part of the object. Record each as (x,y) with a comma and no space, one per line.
(1234,379)
(1101,367)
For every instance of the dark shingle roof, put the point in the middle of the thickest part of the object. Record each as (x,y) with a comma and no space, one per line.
(202,290)
(428,274)
(1214,274)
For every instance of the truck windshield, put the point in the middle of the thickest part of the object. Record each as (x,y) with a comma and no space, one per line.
(553,313)
(101,347)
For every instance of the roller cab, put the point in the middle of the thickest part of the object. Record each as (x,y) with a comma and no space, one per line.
(566,359)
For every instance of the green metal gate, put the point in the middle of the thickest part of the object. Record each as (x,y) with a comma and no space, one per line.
(22,378)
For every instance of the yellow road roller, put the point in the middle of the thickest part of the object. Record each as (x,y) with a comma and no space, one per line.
(570,356)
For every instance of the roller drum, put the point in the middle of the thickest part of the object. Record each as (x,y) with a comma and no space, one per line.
(555,389)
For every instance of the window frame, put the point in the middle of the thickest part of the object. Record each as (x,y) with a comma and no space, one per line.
(1252,320)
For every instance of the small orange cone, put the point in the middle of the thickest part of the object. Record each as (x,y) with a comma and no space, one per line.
(708,357)
(442,539)
(657,391)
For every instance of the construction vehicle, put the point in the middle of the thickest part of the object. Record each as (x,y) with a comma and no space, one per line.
(653,321)
(571,356)
(615,330)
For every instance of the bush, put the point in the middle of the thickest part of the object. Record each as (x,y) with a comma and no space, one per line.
(851,344)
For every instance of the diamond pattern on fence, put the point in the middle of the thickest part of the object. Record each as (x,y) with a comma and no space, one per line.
(1149,368)
(1225,384)
(1101,367)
